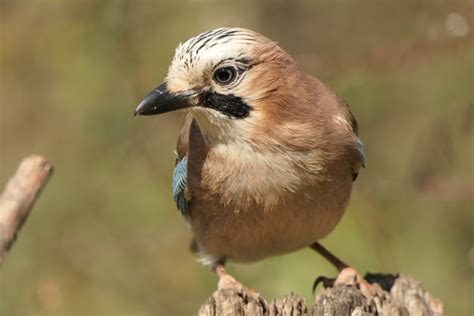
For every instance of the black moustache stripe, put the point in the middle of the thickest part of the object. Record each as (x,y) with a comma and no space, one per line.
(228,104)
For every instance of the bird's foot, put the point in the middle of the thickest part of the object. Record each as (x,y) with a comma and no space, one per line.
(228,282)
(349,276)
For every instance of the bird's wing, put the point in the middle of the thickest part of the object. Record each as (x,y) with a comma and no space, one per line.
(179,186)
(359,145)
(180,170)
(360,148)
(361,155)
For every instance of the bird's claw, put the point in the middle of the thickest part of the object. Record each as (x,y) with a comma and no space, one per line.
(348,276)
(325,281)
(227,282)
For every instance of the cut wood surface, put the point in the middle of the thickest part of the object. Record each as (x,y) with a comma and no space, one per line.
(19,195)
(402,296)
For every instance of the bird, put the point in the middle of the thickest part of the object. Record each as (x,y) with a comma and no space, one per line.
(266,156)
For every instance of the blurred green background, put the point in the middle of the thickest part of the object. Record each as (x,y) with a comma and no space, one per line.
(105,237)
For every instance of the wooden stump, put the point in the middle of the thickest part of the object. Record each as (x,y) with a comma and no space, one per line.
(402,296)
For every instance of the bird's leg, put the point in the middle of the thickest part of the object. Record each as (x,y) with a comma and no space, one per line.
(335,261)
(228,282)
(347,274)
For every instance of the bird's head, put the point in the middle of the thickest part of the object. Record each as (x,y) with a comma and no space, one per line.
(232,80)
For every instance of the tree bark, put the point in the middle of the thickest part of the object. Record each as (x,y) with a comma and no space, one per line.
(402,296)
(17,199)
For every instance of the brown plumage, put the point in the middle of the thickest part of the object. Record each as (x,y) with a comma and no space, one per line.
(270,155)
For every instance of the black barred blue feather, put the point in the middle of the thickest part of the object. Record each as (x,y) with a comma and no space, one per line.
(360,148)
(179,185)
(362,158)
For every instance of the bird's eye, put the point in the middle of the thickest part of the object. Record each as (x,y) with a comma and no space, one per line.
(225,75)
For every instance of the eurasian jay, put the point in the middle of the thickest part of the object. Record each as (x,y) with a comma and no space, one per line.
(266,156)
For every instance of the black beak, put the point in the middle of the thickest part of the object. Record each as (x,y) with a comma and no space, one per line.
(160,100)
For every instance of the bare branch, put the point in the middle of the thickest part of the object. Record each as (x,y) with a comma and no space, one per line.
(19,196)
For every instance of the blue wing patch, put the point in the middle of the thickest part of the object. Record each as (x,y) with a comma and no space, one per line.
(360,148)
(362,159)
(179,185)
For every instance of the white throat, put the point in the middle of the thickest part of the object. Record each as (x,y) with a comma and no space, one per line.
(217,128)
